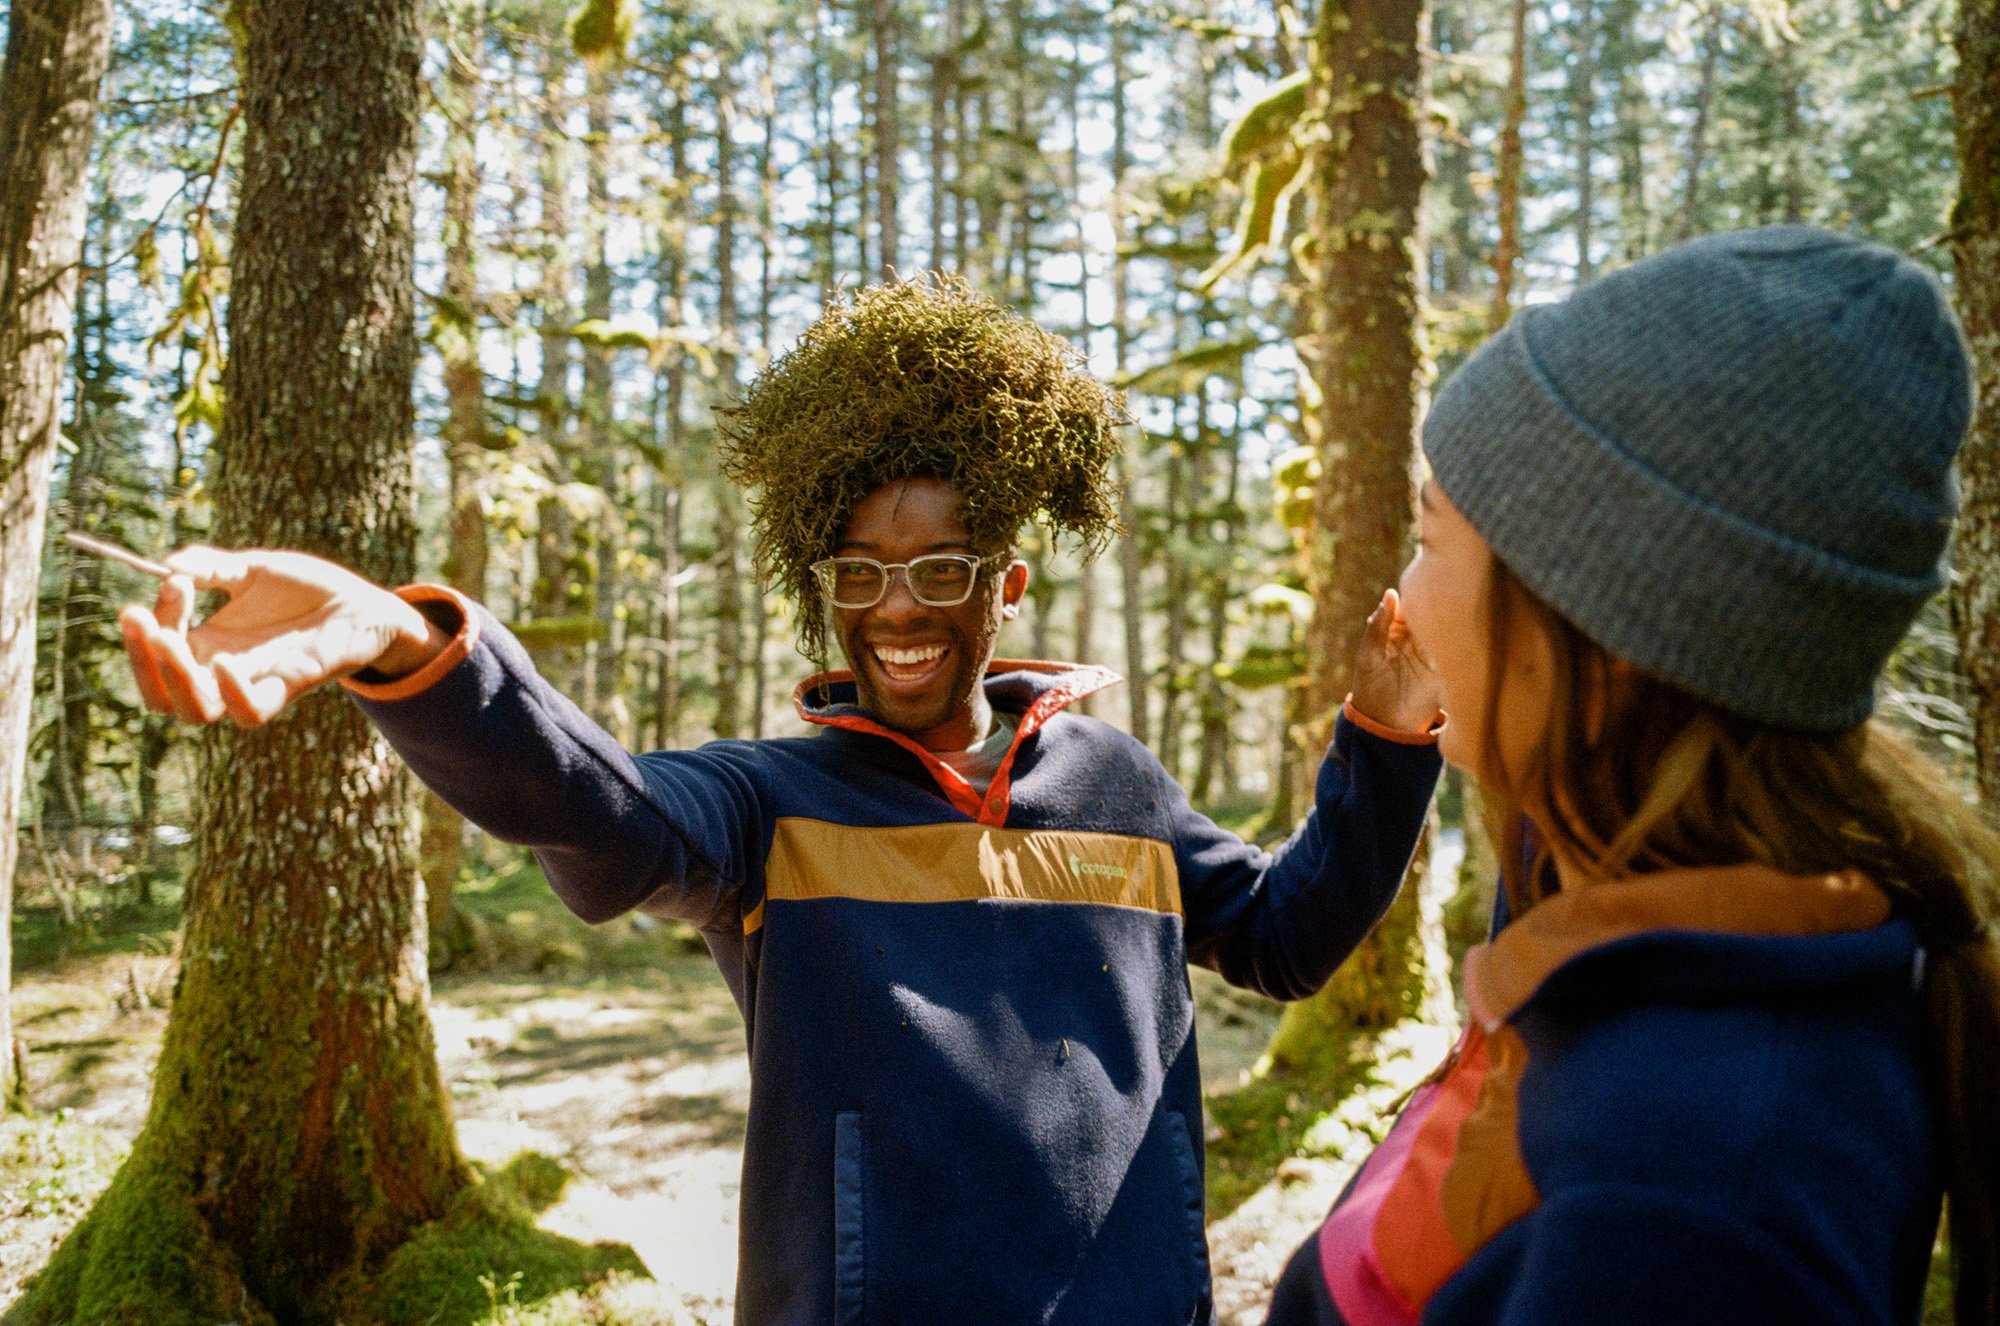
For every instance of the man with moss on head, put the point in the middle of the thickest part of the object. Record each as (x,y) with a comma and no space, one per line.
(957,920)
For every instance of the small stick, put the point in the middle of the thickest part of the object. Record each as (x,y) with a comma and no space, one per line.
(124,556)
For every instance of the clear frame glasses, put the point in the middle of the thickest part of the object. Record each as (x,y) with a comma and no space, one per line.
(940,580)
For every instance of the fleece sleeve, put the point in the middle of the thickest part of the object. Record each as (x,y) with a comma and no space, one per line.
(1281,922)
(1616,1254)
(487,733)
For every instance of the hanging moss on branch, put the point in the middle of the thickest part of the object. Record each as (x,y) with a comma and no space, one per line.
(601,30)
(925,378)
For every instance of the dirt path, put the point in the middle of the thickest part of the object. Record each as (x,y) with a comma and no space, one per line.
(639,1083)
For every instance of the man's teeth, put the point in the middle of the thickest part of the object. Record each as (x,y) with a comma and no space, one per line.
(909,657)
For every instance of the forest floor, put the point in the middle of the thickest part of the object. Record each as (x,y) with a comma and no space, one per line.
(618,1052)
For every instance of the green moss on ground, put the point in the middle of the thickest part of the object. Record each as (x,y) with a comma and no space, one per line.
(1271,1118)
(143,1256)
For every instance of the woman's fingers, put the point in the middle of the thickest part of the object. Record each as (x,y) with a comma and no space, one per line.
(173,610)
(134,622)
(250,700)
(190,685)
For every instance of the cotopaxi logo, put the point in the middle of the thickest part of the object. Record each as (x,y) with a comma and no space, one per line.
(1087,868)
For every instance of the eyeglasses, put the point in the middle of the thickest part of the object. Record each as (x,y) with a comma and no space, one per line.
(941,580)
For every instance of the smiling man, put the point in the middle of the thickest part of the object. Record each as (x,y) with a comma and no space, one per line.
(958,919)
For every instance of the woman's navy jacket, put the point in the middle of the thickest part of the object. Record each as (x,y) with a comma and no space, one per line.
(974,1091)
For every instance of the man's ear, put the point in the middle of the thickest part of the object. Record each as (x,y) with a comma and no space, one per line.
(1013,584)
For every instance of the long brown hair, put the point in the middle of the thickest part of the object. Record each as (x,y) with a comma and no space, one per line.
(1632,774)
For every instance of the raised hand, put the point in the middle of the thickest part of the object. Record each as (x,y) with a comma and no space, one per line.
(292,622)
(1394,683)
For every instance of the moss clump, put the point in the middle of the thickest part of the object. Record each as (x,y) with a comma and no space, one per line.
(449,1273)
(924,378)
(142,1257)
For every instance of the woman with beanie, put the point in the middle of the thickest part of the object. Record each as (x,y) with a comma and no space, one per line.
(1738,1025)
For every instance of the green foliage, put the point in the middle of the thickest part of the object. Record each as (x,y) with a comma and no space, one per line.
(922,378)
(598,334)
(1259,666)
(601,30)
(1265,128)
(1186,371)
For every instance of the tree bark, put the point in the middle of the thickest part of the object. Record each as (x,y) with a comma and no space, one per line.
(888,125)
(298,1131)
(602,464)
(1975,230)
(1131,561)
(1584,99)
(728,503)
(1368,361)
(1507,252)
(54,67)
(1697,153)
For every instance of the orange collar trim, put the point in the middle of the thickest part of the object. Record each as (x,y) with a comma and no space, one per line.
(1502,975)
(1080,680)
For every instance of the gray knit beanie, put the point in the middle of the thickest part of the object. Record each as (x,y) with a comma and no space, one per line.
(1729,464)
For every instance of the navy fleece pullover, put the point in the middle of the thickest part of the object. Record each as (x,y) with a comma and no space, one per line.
(974,1091)
(1690,1096)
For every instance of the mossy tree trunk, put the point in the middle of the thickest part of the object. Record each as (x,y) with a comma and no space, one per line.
(1975,228)
(1367,358)
(56,53)
(298,1132)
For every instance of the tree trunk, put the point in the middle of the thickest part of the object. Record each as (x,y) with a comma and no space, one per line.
(465,395)
(1369,173)
(604,658)
(944,97)
(1131,565)
(728,503)
(1629,107)
(56,53)
(298,1131)
(1975,230)
(1584,99)
(1507,252)
(1704,100)
(888,176)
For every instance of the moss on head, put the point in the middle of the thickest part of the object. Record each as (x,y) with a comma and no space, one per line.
(924,378)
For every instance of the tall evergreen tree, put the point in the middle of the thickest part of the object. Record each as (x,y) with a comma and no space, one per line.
(1368,359)
(298,1131)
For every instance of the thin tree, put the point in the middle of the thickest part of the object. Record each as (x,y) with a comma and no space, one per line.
(888,119)
(1507,252)
(54,67)
(1704,101)
(728,512)
(1583,93)
(466,552)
